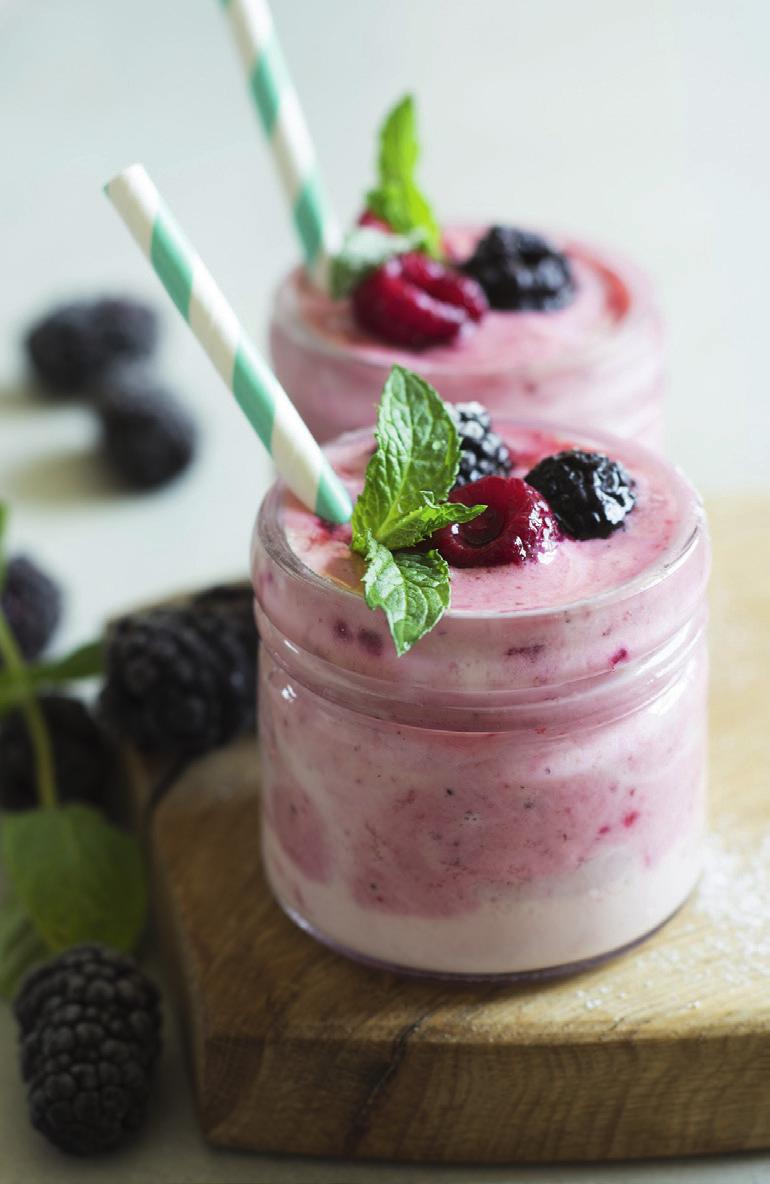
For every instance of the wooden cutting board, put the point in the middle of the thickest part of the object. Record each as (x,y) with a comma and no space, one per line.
(665,1051)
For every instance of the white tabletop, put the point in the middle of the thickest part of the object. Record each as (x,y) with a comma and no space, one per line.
(598,117)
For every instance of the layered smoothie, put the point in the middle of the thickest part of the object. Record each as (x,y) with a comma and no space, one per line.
(524,791)
(597,362)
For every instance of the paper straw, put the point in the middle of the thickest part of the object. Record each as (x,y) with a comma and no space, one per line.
(280,113)
(260,396)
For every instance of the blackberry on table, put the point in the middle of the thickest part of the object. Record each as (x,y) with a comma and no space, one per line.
(90,1034)
(482,452)
(31,602)
(77,343)
(182,680)
(148,437)
(521,271)
(83,763)
(589,494)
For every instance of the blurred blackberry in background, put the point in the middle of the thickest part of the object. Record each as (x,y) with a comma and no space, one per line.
(82,754)
(182,679)
(148,437)
(90,1034)
(31,602)
(482,451)
(521,271)
(77,343)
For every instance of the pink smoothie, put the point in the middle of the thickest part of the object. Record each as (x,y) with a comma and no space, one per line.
(598,363)
(525,789)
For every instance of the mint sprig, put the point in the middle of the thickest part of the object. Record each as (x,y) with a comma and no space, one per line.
(397,198)
(76,876)
(72,876)
(403,502)
(365,249)
(18,685)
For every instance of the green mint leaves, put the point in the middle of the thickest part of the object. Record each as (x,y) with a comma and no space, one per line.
(86,661)
(397,198)
(411,588)
(75,876)
(403,503)
(365,249)
(71,876)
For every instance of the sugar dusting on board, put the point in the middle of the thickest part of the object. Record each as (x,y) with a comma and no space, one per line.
(722,939)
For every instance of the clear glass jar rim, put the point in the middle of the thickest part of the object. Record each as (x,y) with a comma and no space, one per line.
(665,565)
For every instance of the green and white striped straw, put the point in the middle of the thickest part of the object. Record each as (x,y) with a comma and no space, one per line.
(260,396)
(280,113)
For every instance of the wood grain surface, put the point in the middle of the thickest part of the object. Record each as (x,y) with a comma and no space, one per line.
(665,1051)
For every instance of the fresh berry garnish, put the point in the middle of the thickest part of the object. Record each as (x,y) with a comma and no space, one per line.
(77,343)
(482,452)
(90,1033)
(148,437)
(522,271)
(82,755)
(516,526)
(367,218)
(445,284)
(416,302)
(31,602)
(182,680)
(589,494)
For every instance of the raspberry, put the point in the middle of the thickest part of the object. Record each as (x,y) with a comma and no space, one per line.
(516,526)
(445,284)
(521,271)
(182,680)
(31,602)
(83,759)
(482,452)
(148,437)
(416,302)
(590,495)
(77,343)
(90,1025)
(367,218)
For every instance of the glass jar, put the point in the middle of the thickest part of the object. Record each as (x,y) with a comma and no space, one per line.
(598,363)
(523,793)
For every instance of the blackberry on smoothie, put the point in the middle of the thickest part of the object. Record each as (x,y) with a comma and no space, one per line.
(482,703)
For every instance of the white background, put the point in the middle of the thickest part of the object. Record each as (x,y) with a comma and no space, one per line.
(642,122)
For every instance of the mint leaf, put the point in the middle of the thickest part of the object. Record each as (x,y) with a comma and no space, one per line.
(397,197)
(86,661)
(75,876)
(364,249)
(20,946)
(411,588)
(420,524)
(415,464)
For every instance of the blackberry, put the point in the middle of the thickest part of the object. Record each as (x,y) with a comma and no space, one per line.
(147,436)
(521,271)
(183,680)
(90,1034)
(83,763)
(482,452)
(589,494)
(31,602)
(77,343)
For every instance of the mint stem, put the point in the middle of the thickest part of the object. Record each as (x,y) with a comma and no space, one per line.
(35,720)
